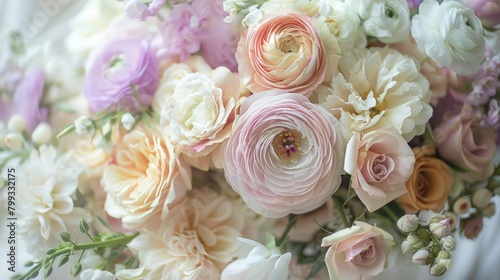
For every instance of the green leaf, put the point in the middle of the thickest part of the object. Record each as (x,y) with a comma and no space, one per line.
(47,272)
(76,269)
(270,241)
(64,108)
(147,119)
(317,266)
(64,259)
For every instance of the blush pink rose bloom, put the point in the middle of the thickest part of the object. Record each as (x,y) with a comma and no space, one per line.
(287,52)
(487,10)
(462,141)
(284,155)
(379,162)
(357,252)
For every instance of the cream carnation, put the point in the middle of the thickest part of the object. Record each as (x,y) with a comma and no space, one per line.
(46,208)
(285,154)
(450,34)
(146,177)
(195,241)
(378,88)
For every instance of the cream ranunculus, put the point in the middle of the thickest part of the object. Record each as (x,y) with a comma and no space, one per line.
(378,88)
(379,162)
(259,262)
(196,240)
(146,177)
(450,34)
(287,51)
(357,252)
(386,20)
(344,23)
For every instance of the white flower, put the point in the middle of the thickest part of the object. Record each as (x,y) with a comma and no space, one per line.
(387,20)
(195,241)
(259,262)
(45,205)
(83,125)
(344,23)
(378,88)
(128,121)
(13,140)
(17,123)
(450,34)
(96,274)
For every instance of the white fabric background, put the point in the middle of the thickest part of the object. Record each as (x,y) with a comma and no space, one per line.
(40,20)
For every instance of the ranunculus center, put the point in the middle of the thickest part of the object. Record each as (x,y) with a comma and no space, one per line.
(289,44)
(286,144)
(116,62)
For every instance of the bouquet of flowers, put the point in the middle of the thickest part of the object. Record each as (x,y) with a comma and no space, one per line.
(251,139)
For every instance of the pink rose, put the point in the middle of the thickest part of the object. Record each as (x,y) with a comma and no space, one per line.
(357,252)
(379,162)
(287,52)
(463,142)
(284,155)
(487,10)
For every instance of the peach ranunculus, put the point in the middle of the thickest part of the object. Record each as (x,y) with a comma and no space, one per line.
(146,177)
(285,154)
(198,110)
(462,141)
(379,162)
(357,252)
(287,51)
(429,185)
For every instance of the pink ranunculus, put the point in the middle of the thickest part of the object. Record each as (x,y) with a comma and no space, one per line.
(379,162)
(357,252)
(463,142)
(287,52)
(487,10)
(284,155)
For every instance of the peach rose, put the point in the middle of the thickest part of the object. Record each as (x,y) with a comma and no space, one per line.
(146,177)
(379,162)
(462,141)
(357,252)
(287,51)
(428,186)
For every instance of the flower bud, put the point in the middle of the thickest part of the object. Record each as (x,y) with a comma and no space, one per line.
(481,197)
(128,121)
(411,244)
(444,259)
(437,218)
(422,257)
(440,229)
(17,123)
(453,221)
(437,270)
(472,227)
(42,134)
(448,242)
(489,210)
(462,205)
(408,223)
(83,125)
(13,140)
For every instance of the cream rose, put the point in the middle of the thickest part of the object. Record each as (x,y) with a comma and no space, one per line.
(429,185)
(450,34)
(379,163)
(287,51)
(461,140)
(357,252)
(145,178)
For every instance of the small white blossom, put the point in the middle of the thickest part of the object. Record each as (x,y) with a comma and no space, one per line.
(128,121)
(13,140)
(17,123)
(96,274)
(83,125)
(42,134)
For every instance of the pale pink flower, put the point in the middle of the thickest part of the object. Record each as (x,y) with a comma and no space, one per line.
(284,155)
(379,162)
(357,252)
(487,10)
(287,51)
(462,141)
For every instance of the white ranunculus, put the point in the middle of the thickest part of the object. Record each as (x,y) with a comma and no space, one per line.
(344,23)
(259,263)
(96,274)
(450,34)
(387,20)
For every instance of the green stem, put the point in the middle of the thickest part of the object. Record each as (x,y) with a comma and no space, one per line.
(289,226)
(391,213)
(340,209)
(115,242)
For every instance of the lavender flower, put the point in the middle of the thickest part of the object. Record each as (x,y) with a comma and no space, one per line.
(141,9)
(181,34)
(27,99)
(493,117)
(119,69)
